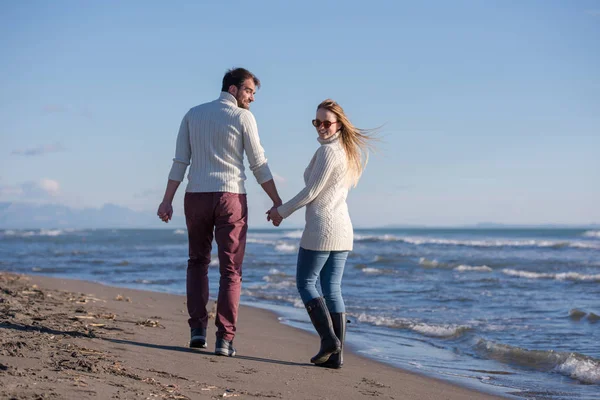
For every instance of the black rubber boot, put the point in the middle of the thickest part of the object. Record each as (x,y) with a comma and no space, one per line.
(339,327)
(319,316)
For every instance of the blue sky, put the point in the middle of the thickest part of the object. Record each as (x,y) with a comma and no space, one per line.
(491,108)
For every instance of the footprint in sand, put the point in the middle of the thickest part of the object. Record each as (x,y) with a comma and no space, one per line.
(367,387)
(247,371)
(228,378)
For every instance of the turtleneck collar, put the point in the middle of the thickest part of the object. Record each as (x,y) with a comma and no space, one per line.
(330,139)
(228,97)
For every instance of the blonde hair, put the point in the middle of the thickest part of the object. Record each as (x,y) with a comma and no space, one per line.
(356,142)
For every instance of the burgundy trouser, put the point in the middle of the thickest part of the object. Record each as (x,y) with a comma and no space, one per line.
(224,215)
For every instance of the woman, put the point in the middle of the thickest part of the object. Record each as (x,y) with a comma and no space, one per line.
(328,237)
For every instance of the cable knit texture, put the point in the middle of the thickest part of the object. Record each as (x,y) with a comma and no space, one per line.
(213,138)
(328,226)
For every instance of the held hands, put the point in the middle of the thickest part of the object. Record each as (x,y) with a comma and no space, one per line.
(165,211)
(274,216)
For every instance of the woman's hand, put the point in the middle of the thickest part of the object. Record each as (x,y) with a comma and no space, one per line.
(274,216)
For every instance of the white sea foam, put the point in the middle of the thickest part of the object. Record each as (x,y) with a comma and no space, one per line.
(375,238)
(283,247)
(298,303)
(583,369)
(442,331)
(481,268)
(433,330)
(592,234)
(41,232)
(179,232)
(276,283)
(574,365)
(425,240)
(260,241)
(293,235)
(430,263)
(276,272)
(371,270)
(585,245)
(375,271)
(561,276)
(294,300)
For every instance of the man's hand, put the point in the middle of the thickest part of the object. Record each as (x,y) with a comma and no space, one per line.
(274,216)
(165,211)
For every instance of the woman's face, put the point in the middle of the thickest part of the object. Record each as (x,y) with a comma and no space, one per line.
(324,118)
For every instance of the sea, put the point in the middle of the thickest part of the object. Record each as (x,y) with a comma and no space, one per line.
(514,312)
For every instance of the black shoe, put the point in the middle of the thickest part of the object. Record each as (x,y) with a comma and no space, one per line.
(339,327)
(198,340)
(224,348)
(319,316)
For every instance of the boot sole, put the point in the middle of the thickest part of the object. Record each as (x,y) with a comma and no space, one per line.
(326,364)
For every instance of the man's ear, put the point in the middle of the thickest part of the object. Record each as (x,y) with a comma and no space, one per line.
(233,90)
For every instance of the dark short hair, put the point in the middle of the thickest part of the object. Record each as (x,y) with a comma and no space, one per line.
(237,76)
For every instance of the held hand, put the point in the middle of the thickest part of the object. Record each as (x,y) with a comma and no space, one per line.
(165,211)
(273,215)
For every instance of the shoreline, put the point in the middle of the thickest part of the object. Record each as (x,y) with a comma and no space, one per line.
(78,339)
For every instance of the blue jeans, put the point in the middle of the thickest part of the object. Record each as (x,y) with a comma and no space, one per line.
(327,265)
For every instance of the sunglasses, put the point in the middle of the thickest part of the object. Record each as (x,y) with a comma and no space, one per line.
(326,124)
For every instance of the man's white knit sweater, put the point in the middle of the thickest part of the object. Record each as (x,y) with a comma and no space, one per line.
(328,225)
(213,137)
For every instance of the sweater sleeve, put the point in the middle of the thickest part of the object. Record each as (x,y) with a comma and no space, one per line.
(323,168)
(183,152)
(253,149)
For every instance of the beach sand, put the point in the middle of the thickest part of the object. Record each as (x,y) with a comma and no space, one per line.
(68,339)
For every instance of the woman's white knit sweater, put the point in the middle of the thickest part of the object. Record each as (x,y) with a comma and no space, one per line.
(328,225)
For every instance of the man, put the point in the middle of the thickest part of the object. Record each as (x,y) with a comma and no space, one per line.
(212,140)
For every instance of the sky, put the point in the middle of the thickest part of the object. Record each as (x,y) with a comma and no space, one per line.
(490,109)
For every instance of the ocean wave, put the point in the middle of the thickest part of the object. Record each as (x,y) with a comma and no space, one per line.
(260,241)
(375,271)
(51,270)
(376,238)
(561,276)
(41,232)
(372,270)
(295,301)
(386,260)
(424,262)
(574,365)
(422,240)
(445,331)
(592,234)
(179,232)
(285,247)
(464,268)
(157,281)
(276,272)
(293,235)
(275,284)
(585,245)
(278,280)
(577,315)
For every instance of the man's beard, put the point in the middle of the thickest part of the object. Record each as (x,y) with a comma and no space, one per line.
(241,104)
